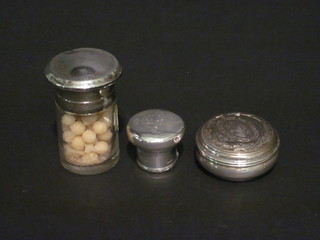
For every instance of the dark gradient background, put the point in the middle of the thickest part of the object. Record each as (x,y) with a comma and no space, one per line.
(195,58)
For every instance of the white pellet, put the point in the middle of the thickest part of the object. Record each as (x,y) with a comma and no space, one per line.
(78,143)
(89,136)
(71,152)
(100,127)
(102,147)
(105,136)
(67,119)
(77,128)
(68,136)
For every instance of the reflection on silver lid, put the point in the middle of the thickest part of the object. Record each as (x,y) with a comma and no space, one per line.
(237,140)
(83,68)
(155,127)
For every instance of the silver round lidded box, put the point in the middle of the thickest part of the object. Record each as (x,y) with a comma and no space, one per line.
(237,146)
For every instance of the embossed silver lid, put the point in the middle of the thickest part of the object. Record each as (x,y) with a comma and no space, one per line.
(83,69)
(155,129)
(237,139)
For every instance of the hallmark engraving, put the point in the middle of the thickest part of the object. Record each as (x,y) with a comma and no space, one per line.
(237,132)
(157,122)
(152,122)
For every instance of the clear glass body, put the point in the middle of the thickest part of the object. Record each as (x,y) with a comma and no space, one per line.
(88,143)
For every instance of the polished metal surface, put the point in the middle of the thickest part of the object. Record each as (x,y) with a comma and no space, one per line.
(156,133)
(237,146)
(82,69)
(90,101)
(84,79)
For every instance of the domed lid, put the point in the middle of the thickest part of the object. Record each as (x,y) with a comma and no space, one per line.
(82,69)
(155,129)
(237,139)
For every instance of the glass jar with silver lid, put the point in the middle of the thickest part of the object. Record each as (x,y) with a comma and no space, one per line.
(237,146)
(87,115)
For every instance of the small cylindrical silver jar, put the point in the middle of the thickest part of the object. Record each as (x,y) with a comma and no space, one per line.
(237,146)
(87,114)
(156,134)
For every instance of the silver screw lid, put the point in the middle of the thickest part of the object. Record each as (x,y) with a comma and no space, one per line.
(82,69)
(237,140)
(156,133)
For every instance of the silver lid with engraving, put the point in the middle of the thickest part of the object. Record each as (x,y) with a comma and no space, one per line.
(156,133)
(237,146)
(82,69)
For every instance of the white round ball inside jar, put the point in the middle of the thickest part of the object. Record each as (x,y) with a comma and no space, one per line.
(89,136)
(68,136)
(71,152)
(78,143)
(68,119)
(105,136)
(77,128)
(102,147)
(99,127)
